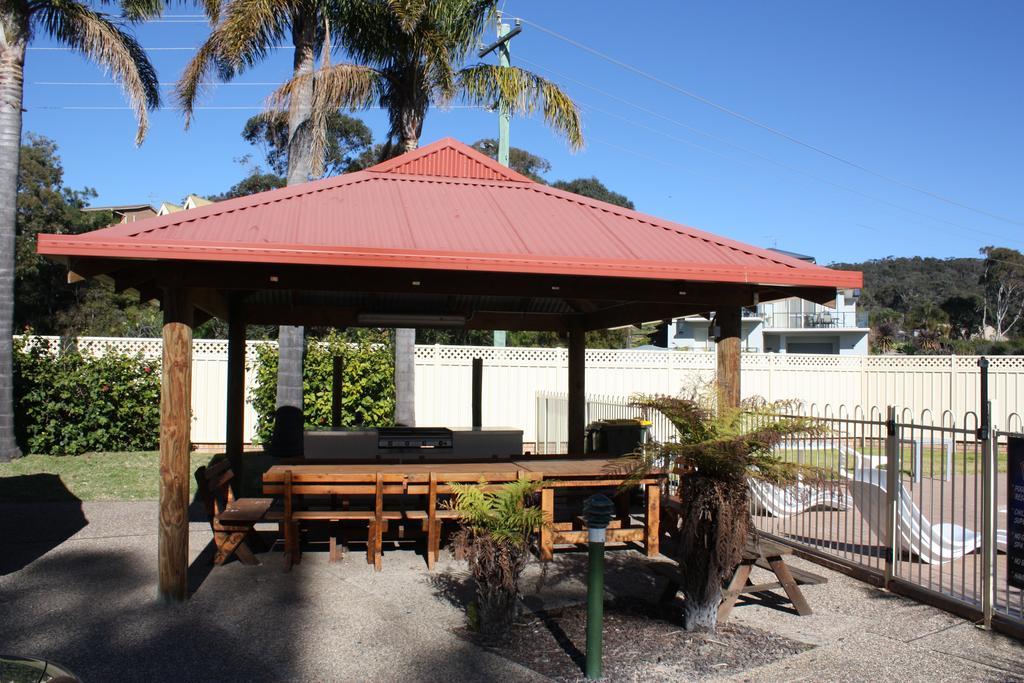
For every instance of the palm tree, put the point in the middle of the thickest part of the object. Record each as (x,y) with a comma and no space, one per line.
(100,38)
(245,32)
(406,56)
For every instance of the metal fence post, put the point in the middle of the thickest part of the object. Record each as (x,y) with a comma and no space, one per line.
(989,451)
(892,487)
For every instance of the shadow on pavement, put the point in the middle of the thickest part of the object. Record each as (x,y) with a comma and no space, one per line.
(95,610)
(30,530)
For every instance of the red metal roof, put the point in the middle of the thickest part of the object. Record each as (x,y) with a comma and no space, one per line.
(444,206)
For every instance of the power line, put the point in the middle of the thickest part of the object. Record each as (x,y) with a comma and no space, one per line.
(784,166)
(147,49)
(770,129)
(162,84)
(224,107)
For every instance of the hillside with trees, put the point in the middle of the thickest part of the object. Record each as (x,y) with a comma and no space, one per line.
(954,305)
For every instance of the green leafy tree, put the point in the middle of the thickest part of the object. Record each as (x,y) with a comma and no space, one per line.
(1003,281)
(519,160)
(595,189)
(964,314)
(406,56)
(347,141)
(256,181)
(44,301)
(102,40)
(719,447)
(497,524)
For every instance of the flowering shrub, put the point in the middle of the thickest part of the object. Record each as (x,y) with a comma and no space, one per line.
(67,403)
(369,387)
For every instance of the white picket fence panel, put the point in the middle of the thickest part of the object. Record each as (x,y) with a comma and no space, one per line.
(513,376)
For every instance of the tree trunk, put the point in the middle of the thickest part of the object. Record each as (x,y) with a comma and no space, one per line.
(405,377)
(288,418)
(714,524)
(12,63)
(405,339)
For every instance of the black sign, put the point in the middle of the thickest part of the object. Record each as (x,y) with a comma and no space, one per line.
(1015,512)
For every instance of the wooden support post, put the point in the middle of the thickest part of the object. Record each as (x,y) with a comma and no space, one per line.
(728,348)
(235,409)
(652,519)
(478,392)
(577,418)
(175,446)
(547,532)
(337,390)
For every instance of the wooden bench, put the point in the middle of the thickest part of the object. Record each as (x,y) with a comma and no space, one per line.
(231,519)
(373,486)
(758,553)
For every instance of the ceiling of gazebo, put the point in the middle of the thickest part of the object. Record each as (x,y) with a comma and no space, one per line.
(444,231)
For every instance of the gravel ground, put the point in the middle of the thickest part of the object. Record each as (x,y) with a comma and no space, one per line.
(641,643)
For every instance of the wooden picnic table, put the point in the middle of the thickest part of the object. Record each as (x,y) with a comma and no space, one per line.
(556,473)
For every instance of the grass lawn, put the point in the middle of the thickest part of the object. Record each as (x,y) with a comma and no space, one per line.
(103,476)
(966,459)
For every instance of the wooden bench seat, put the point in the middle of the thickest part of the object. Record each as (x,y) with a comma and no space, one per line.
(232,520)
(295,486)
(758,553)
(335,515)
(243,510)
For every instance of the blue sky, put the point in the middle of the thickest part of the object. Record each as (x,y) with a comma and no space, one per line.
(925,93)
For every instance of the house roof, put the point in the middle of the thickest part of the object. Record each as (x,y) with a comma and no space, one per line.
(121,207)
(444,206)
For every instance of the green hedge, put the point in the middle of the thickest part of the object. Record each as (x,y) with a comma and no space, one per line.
(369,396)
(69,404)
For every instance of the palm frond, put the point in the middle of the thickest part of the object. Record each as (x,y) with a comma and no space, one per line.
(341,86)
(407,12)
(138,10)
(199,69)
(101,40)
(141,10)
(523,92)
(250,29)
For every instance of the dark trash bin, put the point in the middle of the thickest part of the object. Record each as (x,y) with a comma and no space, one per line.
(616,437)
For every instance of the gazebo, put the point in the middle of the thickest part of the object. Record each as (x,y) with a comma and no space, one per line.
(441,236)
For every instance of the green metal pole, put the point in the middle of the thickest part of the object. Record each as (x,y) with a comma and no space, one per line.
(504,119)
(598,511)
(504,112)
(595,607)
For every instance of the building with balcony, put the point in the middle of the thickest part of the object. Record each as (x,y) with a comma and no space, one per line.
(787,326)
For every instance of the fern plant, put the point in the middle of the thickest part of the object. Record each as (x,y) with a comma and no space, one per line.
(719,447)
(498,522)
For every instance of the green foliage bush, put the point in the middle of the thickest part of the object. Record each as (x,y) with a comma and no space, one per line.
(369,387)
(68,404)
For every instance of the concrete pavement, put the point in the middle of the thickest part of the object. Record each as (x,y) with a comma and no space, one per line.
(77,585)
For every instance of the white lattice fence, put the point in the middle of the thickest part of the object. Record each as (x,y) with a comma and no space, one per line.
(513,377)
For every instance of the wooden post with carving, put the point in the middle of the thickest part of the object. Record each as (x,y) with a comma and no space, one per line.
(175,446)
(728,348)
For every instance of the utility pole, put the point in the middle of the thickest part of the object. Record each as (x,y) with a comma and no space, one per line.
(505,34)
